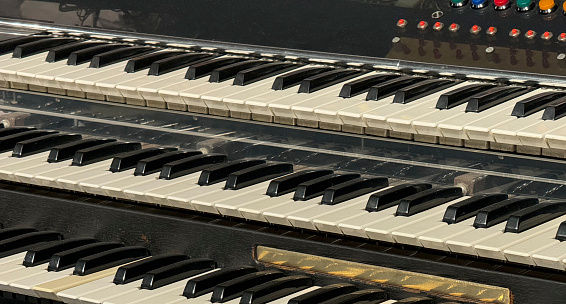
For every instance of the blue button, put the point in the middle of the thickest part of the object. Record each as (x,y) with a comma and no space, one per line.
(478,2)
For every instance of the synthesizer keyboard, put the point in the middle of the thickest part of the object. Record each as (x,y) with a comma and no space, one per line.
(476,112)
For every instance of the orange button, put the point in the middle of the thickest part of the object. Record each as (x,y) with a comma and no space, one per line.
(564,6)
(545,4)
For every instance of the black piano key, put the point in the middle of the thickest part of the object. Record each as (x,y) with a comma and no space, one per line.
(115,56)
(295,77)
(289,183)
(176,272)
(392,196)
(13,232)
(68,258)
(421,89)
(326,79)
(561,232)
(234,288)
(102,152)
(470,207)
(169,64)
(64,51)
(427,199)
(85,55)
(555,110)
(8,142)
(533,216)
(42,253)
(31,48)
(108,259)
(14,130)
(493,97)
(389,87)
(137,270)
(8,45)
(323,294)
(43,143)
(67,151)
(257,174)
(155,163)
(221,172)
(204,68)
(362,85)
(416,300)
(275,289)
(345,191)
(360,296)
(535,103)
(204,284)
(261,72)
(129,160)
(190,165)
(144,61)
(22,242)
(317,186)
(461,95)
(501,211)
(228,71)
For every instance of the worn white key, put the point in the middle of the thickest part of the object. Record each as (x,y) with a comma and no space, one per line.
(19,274)
(410,234)
(207,203)
(547,133)
(10,165)
(464,242)
(26,286)
(183,199)
(72,295)
(109,292)
(129,89)
(355,226)
(353,115)
(523,252)
(49,178)
(494,247)
(552,257)
(72,181)
(117,188)
(69,81)
(383,230)
(398,117)
(47,78)
(151,189)
(9,68)
(436,239)
(259,105)
(27,174)
(308,218)
(279,214)
(253,210)
(93,184)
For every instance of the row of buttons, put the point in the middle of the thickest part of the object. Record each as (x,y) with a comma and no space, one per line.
(476,29)
(545,6)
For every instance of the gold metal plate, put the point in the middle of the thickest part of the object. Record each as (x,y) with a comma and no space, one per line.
(383,275)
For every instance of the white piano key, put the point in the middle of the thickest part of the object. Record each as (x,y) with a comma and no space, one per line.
(278,215)
(93,185)
(110,291)
(207,203)
(409,235)
(383,230)
(482,129)
(49,178)
(27,174)
(307,218)
(552,257)
(253,210)
(155,188)
(9,68)
(10,165)
(129,88)
(259,105)
(398,117)
(25,286)
(548,133)
(353,115)
(428,124)
(183,199)
(355,226)
(523,252)
(329,113)
(494,247)
(23,272)
(285,107)
(72,295)
(464,242)
(193,97)
(117,188)
(149,296)
(436,239)
(72,181)
(69,81)
(47,77)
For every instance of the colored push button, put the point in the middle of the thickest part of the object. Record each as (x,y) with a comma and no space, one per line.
(546,6)
(524,5)
(458,3)
(479,4)
(564,6)
(501,4)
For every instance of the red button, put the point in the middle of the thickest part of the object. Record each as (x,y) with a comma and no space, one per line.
(501,2)
(401,22)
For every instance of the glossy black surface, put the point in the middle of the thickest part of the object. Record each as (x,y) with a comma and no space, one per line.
(257,174)
(206,283)
(289,183)
(42,253)
(135,271)
(175,272)
(322,294)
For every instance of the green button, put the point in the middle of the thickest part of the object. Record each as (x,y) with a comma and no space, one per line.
(457,1)
(523,3)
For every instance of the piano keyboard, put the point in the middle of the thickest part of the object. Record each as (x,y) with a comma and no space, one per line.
(44,267)
(506,227)
(473,112)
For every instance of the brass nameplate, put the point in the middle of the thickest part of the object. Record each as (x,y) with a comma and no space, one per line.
(383,275)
